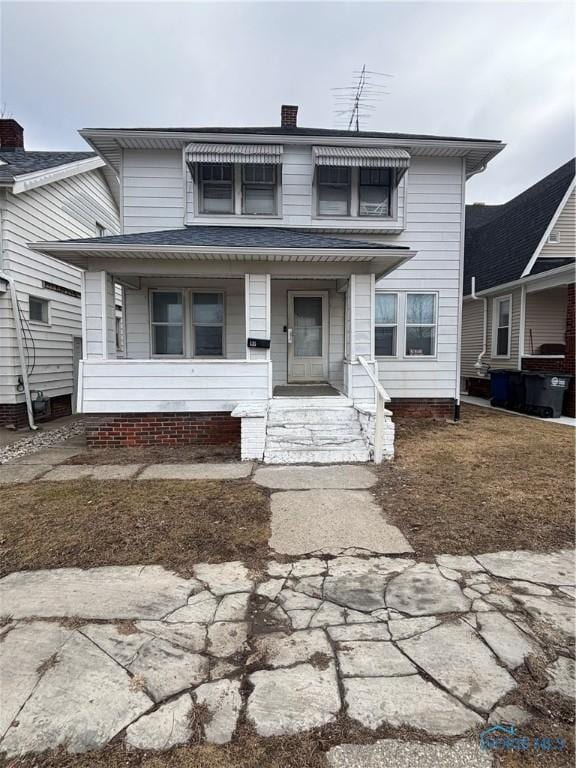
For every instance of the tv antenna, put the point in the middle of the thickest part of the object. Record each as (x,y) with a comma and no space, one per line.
(356,103)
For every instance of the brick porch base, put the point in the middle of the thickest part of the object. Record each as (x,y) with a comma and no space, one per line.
(425,408)
(130,430)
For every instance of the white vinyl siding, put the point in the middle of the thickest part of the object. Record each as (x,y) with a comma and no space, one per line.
(565,231)
(152,190)
(65,209)
(472,335)
(434,220)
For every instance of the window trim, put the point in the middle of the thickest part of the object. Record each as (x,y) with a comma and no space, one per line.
(192,324)
(496,301)
(44,301)
(237,193)
(407,325)
(388,325)
(354,199)
(157,355)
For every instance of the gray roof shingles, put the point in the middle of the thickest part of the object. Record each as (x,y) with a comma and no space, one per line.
(500,239)
(233,237)
(19,162)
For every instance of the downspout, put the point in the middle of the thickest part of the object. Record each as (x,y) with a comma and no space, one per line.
(478,363)
(19,335)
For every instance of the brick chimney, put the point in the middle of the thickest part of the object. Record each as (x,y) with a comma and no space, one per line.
(289,116)
(11,134)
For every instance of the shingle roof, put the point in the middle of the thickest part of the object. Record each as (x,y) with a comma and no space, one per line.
(233,237)
(304,131)
(500,239)
(20,161)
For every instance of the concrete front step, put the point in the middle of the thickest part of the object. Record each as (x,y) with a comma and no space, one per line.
(331,456)
(297,443)
(311,416)
(335,431)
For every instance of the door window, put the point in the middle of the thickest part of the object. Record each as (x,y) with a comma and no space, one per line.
(308,326)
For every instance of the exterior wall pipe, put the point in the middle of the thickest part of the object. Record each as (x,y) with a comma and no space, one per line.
(478,363)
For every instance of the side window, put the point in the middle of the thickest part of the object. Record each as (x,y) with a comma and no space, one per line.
(501,335)
(167,320)
(386,331)
(421,324)
(38,310)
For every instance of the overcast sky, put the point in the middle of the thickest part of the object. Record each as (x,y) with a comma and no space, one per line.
(500,70)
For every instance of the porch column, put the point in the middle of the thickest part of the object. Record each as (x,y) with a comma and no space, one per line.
(257,297)
(361,317)
(98,316)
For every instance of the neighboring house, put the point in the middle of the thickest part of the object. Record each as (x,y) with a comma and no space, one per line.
(518,309)
(44,195)
(258,261)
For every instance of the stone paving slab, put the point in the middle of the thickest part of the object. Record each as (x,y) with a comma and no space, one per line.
(48,456)
(21,473)
(345,476)
(557,568)
(329,642)
(223,471)
(392,753)
(92,471)
(331,520)
(112,592)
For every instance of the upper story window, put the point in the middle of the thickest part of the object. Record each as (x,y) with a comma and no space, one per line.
(333,191)
(237,188)
(374,191)
(259,190)
(216,182)
(354,192)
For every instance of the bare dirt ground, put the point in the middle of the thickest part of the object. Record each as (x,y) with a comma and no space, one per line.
(185,454)
(490,482)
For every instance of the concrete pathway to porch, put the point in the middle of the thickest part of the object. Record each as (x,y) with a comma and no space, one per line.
(132,652)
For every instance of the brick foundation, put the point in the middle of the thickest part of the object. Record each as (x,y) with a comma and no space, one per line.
(130,430)
(424,408)
(15,415)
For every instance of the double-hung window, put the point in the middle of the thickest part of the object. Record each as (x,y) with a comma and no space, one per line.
(208,324)
(421,314)
(259,190)
(167,320)
(501,335)
(374,192)
(38,310)
(333,190)
(386,332)
(216,188)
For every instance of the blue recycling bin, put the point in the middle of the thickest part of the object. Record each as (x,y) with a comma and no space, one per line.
(499,388)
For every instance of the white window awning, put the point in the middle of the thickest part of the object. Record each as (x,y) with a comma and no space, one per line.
(362,157)
(201,152)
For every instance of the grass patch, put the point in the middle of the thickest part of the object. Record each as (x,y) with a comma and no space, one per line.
(86,523)
(490,482)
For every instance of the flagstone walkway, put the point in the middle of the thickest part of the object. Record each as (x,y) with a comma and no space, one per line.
(90,655)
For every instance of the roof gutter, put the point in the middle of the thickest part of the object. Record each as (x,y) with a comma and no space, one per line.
(522,281)
(27,181)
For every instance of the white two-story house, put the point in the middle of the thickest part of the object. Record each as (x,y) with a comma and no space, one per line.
(290,288)
(45,196)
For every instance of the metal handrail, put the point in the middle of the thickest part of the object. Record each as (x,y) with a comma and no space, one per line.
(379,388)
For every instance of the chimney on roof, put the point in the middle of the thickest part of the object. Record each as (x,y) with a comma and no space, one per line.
(11,134)
(289,116)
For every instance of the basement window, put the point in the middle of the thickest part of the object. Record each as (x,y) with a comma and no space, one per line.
(38,310)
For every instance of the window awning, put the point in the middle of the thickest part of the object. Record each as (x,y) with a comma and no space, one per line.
(362,157)
(202,152)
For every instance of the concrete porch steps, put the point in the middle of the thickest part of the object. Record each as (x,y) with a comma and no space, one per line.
(323,430)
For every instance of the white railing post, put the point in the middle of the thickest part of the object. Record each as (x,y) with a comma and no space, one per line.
(381,397)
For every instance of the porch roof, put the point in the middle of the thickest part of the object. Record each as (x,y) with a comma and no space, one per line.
(221,243)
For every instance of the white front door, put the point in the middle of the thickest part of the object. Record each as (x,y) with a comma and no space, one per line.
(307,336)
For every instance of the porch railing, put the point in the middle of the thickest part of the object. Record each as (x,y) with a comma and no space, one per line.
(382,397)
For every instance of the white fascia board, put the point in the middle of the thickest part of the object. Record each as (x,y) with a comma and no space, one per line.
(28,181)
(528,268)
(253,138)
(561,273)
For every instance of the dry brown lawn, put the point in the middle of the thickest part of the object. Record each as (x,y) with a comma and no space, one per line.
(158,454)
(490,482)
(87,523)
